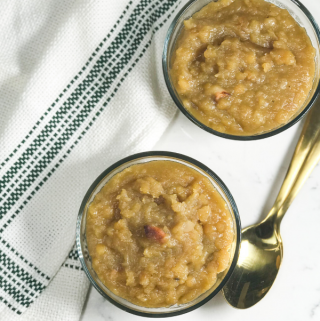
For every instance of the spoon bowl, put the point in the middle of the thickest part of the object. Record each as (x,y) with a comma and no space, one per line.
(257,266)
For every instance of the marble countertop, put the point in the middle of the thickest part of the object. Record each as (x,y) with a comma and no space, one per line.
(253,171)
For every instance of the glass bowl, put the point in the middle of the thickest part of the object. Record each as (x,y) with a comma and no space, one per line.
(82,242)
(297,10)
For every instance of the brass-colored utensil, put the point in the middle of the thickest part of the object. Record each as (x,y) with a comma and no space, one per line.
(261,246)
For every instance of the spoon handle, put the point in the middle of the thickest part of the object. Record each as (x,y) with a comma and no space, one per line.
(305,158)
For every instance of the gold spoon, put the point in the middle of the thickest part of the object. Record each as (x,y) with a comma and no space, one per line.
(261,245)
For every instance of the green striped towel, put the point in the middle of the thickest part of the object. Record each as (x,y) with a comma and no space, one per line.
(81,86)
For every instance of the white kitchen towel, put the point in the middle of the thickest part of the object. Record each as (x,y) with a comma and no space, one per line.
(81,87)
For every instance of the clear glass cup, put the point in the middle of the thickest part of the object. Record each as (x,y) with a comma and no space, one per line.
(297,10)
(82,241)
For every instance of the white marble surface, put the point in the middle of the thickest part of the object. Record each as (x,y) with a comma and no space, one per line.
(253,171)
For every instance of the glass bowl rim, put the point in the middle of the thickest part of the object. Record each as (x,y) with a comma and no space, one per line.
(215,132)
(212,175)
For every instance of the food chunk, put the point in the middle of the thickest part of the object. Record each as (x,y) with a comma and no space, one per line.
(221,94)
(154,233)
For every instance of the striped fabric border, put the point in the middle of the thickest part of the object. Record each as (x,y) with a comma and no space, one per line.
(60,129)
(72,261)
(92,59)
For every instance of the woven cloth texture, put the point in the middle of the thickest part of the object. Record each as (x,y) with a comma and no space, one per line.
(81,86)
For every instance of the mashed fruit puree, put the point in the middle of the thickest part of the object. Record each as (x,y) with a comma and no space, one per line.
(159,233)
(243,66)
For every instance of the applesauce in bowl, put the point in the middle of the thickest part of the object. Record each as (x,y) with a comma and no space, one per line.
(158,234)
(242,69)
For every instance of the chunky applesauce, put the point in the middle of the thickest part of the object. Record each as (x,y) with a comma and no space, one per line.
(243,67)
(159,233)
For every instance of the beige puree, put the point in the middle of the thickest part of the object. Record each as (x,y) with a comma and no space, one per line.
(243,66)
(159,233)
